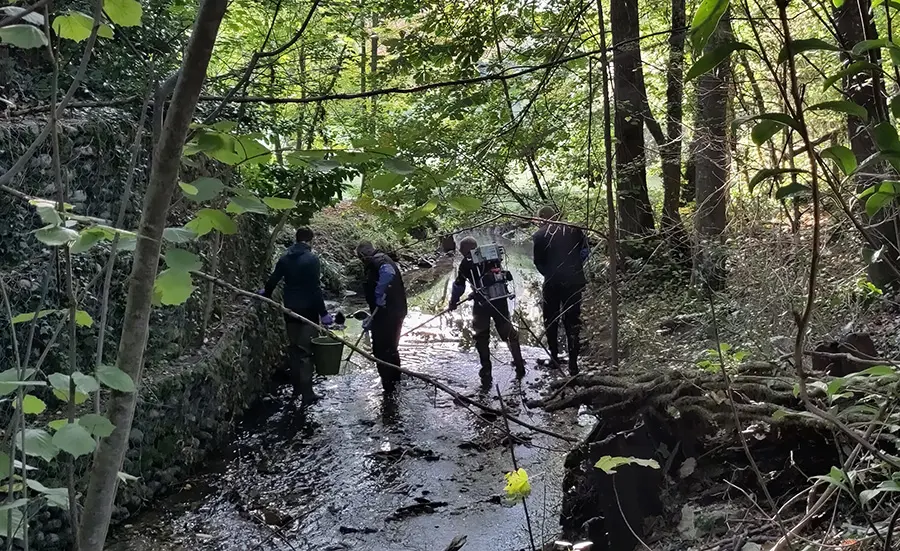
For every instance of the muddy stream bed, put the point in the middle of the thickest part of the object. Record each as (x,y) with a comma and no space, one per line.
(353,473)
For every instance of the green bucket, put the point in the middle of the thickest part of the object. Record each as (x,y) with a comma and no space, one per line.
(327,355)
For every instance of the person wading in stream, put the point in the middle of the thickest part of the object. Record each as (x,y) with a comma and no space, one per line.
(483,311)
(559,255)
(386,297)
(300,269)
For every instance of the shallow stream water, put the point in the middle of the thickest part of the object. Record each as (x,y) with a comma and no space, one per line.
(352,473)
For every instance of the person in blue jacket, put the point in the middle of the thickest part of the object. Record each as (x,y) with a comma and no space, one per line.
(300,269)
(559,254)
(386,296)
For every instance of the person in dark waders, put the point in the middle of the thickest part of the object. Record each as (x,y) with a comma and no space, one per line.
(483,311)
(386,297)
(300,269)
(559,255)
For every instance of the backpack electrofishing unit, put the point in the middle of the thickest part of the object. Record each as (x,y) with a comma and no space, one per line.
(490,277)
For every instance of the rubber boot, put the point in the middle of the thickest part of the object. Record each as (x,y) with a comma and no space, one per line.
(574,346)
(484,356)
(516,350)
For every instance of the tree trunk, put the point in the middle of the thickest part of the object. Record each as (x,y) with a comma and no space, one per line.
(373,73)
(635,212)
(671,151)
(713,159)
(101,492)
(854,24)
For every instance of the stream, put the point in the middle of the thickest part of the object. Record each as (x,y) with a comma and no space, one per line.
(352,473)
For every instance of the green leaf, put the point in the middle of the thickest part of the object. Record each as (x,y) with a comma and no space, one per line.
(23,36)
(173,287)
(179,259)
(868,45)
(97,425)
(179,235)
(9,381)
(806,45)
(885,486)
(189,189)
(842,156)
(207,220)
(835,386)
(85,383)
(465,204)
(32,405)
(398,166)
(57,424)
(28,316)
(206,189)
(87,238)
(424,210)
(895,106)
(837,3)
(713,58)
(877,201)
(38,443)
(886,137)
(609,464)
(12,524)
(771,124)
(77,26)
(767,173)
(56,497)
(74,440)
(21,502)
(705,21)
(63,395)
(880,371)
(791,190)
(115,378)
(277,203)
(847,107)
(385,181)
(47,211)
(125,13)
(250,151)
(240,205)
(56,236)
(83,319)
(852,69)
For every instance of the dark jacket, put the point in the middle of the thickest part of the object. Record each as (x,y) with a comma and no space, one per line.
(559,254)
(471,272)
(300,269)
(383,279)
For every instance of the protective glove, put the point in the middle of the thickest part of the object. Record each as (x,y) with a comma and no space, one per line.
(367,323)
(327,320)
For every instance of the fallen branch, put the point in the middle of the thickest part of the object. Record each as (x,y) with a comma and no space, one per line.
(416,375)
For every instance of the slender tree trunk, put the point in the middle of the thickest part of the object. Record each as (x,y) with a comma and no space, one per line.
(635,211)
(373,72)
(854,24)
(713,159)
(301,116)
(101,492)
(671,150)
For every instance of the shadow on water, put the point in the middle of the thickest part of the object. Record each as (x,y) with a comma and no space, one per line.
(358,472)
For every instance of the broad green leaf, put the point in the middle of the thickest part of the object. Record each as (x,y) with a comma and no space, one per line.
(179,235)
(21,502)
(713,58)
(424,210)
(847,107)
(886,137)
(87,238)
(767,173)
(852,69)
(885,486)
(835,386)
(888,186)
(38,443)
(277,203)
(74,440)
(465,204)
(59,381)
(189,189)
(225,126)
(705,21)
(57,424)
(207,220)
(206,189)
(56,236)
(23,36)
(609,464)
(125,13)
(791,190)
(10,382)
(56,497)
(32,405)
(895,106)
(12,524)
(837,3)
(306,156)
(769,125)
(173,287)
(877,201)
(179,259)
(83,319)
(352,157)
(398,166)
(35,17)
(115,378)
(28,316)
(385,181)
(97,425)
(47,211)
(879,371)
(868,45)
(843,157)
(250,151)
(806,45)
(77,26)
(85,383)
(240,205)
(325,165)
